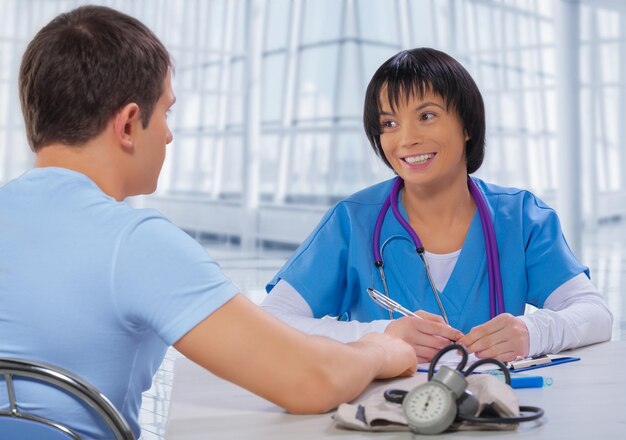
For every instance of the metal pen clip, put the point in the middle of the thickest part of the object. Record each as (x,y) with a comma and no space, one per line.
(529,362)
(388,304)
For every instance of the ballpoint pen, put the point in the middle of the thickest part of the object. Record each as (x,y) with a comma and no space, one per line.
(529,362)
(388,304)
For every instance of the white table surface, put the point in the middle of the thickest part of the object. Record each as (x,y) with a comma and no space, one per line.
(586,401)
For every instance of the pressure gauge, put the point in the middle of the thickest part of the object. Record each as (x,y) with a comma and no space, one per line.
(431,408)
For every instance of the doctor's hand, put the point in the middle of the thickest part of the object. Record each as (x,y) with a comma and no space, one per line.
(504,337)
(427,334)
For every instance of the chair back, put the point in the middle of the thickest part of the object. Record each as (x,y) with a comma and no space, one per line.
(16,424)
(42,429)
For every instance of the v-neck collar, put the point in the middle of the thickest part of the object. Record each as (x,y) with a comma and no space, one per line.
(464,277)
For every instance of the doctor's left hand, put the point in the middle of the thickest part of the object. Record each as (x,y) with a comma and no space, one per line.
(504,337)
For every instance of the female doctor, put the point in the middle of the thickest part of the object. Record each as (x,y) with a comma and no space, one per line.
(466,255)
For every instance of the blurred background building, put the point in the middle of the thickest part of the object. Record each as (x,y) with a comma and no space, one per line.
(267,126)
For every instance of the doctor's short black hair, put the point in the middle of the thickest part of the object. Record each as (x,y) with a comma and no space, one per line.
(420,71)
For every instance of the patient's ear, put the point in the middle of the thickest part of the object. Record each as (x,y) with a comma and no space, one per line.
(126,122)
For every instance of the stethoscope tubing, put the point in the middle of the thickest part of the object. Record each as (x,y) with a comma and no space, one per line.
(496,303)
(496,296)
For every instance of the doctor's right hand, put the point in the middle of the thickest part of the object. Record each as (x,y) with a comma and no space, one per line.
(427,334)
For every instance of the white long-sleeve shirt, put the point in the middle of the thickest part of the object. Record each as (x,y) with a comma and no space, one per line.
(573,315)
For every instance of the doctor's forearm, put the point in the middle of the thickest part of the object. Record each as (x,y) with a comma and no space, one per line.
(573,315)
(338,330)
(286,303)
(580,324)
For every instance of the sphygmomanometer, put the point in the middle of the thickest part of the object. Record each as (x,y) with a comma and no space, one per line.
(432,407)
(451,399)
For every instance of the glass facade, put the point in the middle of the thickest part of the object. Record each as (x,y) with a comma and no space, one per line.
(267,125)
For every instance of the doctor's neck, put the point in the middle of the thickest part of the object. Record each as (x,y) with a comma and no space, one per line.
(439,203)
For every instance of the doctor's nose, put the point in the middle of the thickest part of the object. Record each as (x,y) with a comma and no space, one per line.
(410,136)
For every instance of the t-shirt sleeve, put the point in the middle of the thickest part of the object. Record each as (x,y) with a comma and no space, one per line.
(318,268)
(549,260)
(163,280)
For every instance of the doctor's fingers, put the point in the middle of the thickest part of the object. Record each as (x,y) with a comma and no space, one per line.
(483,331)
(503,351)
(424,354)
(427,346)
(436,329)
(423,342)
(512,338)
(430,316)
(418,331)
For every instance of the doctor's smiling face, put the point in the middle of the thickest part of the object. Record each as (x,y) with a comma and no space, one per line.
(424,117)
(423,139)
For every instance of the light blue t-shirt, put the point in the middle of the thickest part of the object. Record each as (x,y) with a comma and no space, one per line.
(97,287)
(335,265)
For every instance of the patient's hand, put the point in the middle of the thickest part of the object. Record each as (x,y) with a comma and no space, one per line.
(398,357)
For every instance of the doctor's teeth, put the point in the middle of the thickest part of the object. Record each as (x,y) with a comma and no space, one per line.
(419,159)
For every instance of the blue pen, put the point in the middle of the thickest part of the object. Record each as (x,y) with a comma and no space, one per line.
(530,381)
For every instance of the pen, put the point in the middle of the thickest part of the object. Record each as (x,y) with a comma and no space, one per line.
(529,362)
(388,304)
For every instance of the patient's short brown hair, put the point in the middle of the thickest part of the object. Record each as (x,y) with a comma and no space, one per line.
(83,67)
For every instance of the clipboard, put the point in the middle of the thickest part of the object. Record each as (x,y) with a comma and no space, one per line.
(533,363)
(552,361)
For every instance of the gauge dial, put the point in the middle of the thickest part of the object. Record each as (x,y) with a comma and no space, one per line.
(429,408)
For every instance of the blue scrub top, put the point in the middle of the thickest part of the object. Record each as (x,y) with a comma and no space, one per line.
(335,265)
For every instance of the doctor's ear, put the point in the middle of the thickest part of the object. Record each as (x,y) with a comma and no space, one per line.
(126,121)
(466,135)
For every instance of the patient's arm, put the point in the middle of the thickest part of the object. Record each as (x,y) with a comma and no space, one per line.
(427,335)
(304,374)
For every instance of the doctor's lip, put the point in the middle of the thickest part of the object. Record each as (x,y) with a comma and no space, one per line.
(417,159)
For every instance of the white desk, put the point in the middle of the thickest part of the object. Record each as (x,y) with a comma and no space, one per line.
(586,401)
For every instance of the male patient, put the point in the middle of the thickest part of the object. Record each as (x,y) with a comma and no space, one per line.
(101,289)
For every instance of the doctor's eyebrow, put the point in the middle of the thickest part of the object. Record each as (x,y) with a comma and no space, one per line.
(428,104)
(418,108)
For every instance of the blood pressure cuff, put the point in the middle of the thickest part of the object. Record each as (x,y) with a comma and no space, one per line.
(495,398)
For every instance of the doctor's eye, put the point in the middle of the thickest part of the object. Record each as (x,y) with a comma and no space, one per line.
(427,116)
(388,124)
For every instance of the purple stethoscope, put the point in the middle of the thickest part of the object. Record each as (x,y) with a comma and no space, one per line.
(496,297)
